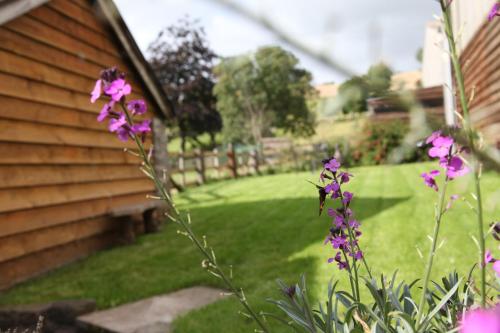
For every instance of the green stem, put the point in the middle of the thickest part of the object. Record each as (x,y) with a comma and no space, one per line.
(430,261)
(353,289)
(459,78)
(178,218)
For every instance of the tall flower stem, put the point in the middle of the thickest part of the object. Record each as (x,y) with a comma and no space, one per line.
(207,253)
(459,78)
(428,269)
(349,229)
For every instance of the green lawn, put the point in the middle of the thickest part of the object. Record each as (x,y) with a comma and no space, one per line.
(267,227)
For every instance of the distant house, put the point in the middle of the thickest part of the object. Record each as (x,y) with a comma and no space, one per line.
(410,80)
(61,172)
(329,104)
(478,42)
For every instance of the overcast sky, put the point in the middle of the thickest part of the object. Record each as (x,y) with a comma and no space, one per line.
(356,33)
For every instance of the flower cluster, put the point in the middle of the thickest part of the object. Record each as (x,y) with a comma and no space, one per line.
(113,85)
(344,233)
(442,147)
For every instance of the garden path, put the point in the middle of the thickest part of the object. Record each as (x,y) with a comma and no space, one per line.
(154,314)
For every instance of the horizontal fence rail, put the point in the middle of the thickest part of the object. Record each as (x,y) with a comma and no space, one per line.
(198,167)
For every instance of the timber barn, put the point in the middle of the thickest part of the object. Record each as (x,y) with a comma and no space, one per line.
(63,177)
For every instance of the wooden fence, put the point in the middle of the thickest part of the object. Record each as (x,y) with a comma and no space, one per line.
(198,167)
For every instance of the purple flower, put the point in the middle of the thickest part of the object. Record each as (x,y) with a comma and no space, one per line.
(433,137)
(137,106)
(429,179)
(96,92)
(123,133)
(354,224)
(347,197)
(488,257)
(345,177)
(455,167)
(332,165)
(115,124)
(338,242)
(338,221)
(143,127)
(441,146)
(333,188)
(117,89)
(494,11)
(358,255)
(481,321)
(342,265)
(105,111)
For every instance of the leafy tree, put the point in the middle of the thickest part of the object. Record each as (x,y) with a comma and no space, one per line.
(183,62)
(378,79)
(353,94)
(263,91)
(355,91)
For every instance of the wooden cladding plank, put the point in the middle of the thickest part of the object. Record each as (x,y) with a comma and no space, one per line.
(30,175)
(21,66)
(79,13)
(24,88)
(28,132)
(27,198)
(23,244)
(44,217)
(19,44)
(25,46)
(21,153)
(19,269)
(75,29)
(39,31)
(23,109)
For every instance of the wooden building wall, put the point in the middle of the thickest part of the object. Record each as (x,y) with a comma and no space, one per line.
(481,62)
(60,170)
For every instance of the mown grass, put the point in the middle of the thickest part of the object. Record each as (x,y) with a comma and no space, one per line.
(268,227)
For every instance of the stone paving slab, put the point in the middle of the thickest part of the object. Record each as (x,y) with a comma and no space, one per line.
(152,315)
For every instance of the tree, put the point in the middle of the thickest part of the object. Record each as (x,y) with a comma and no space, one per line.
(378,80)
(183,62)
(263,91)
(354,92)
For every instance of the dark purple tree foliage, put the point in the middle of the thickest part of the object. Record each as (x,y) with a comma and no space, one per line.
(183,61)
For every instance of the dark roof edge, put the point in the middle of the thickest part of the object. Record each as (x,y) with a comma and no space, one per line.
(119,27)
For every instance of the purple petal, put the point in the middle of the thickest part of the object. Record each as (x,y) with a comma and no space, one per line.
(96,92)
(496,267)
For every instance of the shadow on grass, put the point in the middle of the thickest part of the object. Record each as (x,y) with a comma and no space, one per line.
(256,238)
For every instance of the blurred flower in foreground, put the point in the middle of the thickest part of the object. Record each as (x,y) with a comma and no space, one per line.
(495,11)
(481,321)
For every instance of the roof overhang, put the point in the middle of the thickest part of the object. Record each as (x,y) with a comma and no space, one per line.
(10,9)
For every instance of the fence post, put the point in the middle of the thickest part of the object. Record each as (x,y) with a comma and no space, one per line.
(295,158)
(200,166)
(254,161)
(182,167)
(216,162)
(231,161)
